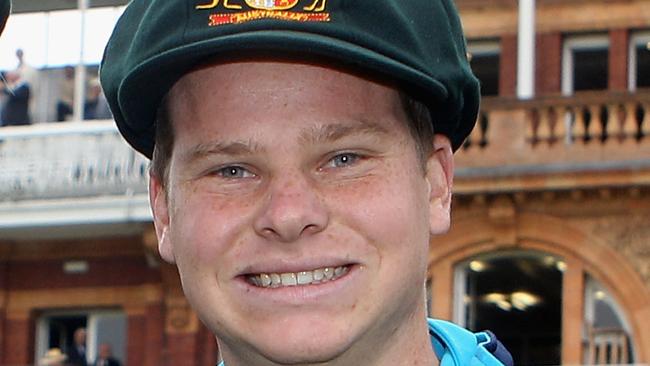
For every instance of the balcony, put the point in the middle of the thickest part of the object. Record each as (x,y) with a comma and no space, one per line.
(70,173)
(558,143)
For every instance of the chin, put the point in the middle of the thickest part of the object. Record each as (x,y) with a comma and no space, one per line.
(305,352)
(299,341)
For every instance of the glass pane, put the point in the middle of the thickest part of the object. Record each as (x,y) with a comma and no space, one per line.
(99,25)
(590,69)
(517,295)
(643,65)
(27,32)
(486,69)
(64,41)
(608,339)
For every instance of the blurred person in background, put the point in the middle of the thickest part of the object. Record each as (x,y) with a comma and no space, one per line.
(53,357)
(96,106)
(16,91)
(105,356)
(30,76)
(78,351)
(66,95)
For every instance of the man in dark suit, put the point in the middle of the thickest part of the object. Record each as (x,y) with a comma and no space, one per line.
(105,356)
(77,353)
(15,111)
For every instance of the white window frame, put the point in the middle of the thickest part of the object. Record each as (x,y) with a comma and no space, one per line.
(572,43)
(484,47)
(635,39)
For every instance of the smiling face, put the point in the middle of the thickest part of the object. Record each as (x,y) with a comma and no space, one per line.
(299,215)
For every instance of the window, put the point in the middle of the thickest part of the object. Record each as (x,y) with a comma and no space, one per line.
(57,328)
(639,69)
(585,63)
(484,59)
(517,295)
(607,334)
(50,41)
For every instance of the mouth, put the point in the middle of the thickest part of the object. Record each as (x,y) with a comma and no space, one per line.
(302,278)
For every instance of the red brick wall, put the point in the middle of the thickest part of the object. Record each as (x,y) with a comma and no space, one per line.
(618,59)
(154,335)
(548,68)
(137,336)
(18,347)
(113,271)
(508,66)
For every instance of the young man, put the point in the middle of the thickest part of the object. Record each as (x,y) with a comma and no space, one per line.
(296,179)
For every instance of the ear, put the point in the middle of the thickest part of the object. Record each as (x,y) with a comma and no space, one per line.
(160,210)
(440,176)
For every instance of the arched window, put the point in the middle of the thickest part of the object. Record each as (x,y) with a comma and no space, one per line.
(518,296)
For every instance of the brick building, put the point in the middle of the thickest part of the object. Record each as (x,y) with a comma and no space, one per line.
(549,246)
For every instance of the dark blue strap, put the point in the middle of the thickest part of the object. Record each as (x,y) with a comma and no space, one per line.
(498,350)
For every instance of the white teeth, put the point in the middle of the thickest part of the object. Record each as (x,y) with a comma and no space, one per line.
(329,273)
(316,276)
(265,280)
(288,279)
(305,278)
(275,279)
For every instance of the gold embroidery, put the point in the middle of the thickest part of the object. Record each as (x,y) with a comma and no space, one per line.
(312,7)
(266,9)
(214,4)
(235,18)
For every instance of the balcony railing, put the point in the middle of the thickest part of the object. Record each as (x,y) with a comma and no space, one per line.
(68,160)
(593,127)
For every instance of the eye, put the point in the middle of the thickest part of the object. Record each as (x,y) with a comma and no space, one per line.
(233,172)
(344,159)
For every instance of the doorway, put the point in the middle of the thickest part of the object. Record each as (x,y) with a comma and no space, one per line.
(56,328)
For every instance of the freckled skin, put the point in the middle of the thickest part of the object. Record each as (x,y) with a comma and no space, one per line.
(292,202)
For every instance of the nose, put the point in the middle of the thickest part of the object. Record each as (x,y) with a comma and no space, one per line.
(293,209)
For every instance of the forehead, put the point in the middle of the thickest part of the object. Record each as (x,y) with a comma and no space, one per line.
(252,100)
(250,86)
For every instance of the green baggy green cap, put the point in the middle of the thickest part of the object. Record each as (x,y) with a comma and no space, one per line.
(5,9)
(418,44)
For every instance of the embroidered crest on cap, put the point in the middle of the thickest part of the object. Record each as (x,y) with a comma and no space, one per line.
(248,10)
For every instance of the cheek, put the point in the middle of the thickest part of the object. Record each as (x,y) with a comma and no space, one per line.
(391,212)
(206,228)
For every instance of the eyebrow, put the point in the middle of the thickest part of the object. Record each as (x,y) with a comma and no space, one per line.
(326,133)
(220,148)
(337,131)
